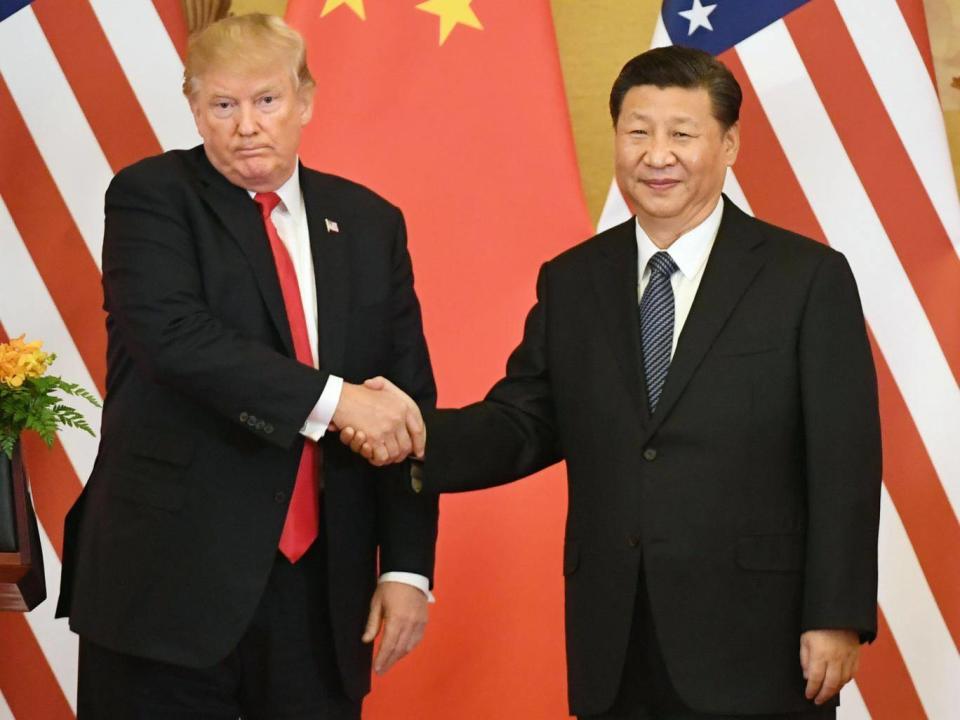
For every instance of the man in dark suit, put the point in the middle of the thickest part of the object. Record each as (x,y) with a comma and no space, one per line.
(708,380)
(223,557)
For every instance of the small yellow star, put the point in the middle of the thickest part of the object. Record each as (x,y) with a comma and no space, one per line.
(451,14)
(355,5)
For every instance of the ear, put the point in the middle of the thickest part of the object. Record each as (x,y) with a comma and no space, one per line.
(731,143)
(305,99)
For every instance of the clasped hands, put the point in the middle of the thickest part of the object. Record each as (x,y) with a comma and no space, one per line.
(380,422)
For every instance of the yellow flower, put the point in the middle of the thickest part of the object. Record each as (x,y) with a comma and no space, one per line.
(21,360)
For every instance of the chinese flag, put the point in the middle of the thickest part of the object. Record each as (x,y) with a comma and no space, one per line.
(455,111)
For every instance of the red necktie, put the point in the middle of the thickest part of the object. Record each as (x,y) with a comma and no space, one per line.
(303,515)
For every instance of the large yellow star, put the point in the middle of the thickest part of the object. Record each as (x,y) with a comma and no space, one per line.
(451,14)
(355,5)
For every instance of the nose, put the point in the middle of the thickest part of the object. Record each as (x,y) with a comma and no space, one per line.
(246,120)
(659,152)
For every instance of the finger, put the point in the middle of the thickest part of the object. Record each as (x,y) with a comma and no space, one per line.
(416,635)
(418,433)
(405,442)
(381,455)
(804,657)
(347,435)
(375,383)
(816,669)
(414,418)
(392,446)
(403,640)
(388,646)
(850,666)
(373,620)
(367,451)
(359,438)
(831,682)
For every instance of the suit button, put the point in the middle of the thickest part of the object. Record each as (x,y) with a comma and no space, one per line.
(252,421)
(260,424)
(279,498)
(268,428)
(650,454)
(633,541)
(244,416)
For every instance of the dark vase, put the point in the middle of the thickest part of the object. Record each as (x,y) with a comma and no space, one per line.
(22,585)
(8,526)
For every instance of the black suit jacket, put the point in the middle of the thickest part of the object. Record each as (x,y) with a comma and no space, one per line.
(751,495)
(169,548)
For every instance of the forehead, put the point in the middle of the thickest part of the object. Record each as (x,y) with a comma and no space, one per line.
(239,81)
(656,103)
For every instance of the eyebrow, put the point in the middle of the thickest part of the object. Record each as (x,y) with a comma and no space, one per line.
(265,90)
(634,115)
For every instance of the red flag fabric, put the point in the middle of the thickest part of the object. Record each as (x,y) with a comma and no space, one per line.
(455,111)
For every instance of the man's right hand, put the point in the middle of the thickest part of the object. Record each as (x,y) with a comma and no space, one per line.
(381,420)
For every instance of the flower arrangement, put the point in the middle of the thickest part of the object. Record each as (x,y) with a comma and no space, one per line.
(28,396)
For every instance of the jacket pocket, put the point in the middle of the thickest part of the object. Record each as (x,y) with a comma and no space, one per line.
(164,447)
(165,494)
(771,553)
(151,473)
(747,347)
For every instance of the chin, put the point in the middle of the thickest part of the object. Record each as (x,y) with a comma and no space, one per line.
(659,209)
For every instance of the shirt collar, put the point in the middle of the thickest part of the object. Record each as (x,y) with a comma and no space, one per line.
(289,192)
(690,250)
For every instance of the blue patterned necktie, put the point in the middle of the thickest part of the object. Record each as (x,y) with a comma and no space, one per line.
(656,325)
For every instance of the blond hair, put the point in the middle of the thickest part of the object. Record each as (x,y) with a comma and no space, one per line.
(246,43)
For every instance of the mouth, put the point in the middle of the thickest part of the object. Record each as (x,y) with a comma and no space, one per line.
(660,184)
(252,150)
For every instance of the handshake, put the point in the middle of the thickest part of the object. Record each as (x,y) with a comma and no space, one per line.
(380,422)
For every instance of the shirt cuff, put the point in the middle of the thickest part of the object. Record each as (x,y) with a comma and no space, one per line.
(418,581)
(319,418)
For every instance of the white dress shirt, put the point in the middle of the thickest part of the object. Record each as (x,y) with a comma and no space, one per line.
(290,219)
(690,252)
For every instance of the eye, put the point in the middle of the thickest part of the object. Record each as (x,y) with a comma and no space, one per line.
(222,108)
(681,134)
(268,102)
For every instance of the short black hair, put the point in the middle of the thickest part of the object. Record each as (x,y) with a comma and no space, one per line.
(677,66)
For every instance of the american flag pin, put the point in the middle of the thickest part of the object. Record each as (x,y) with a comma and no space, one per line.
(331,225)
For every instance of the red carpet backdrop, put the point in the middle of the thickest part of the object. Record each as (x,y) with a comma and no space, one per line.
(455,110)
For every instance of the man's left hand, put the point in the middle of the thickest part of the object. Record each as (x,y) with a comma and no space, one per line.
(401,610)
(829,659)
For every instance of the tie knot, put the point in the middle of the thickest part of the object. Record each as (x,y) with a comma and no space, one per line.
(267,202)
(662,263)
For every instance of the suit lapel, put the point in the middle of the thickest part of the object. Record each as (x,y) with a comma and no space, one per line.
(240,215)
(329,248)
(730,269)
(615,281)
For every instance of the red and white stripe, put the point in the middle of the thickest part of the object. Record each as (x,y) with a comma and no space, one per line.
(845,143)
(86,87)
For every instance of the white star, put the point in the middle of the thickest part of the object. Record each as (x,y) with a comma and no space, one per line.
(699,16)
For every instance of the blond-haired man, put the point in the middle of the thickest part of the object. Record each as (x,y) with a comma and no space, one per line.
(222,560)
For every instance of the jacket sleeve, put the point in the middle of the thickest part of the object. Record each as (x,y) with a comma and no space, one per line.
(407,522)
(512,433)
(154,294)
(843,455)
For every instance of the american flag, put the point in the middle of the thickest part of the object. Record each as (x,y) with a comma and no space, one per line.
(843,141)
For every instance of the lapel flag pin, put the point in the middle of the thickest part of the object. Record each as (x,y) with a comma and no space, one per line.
(331,225)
